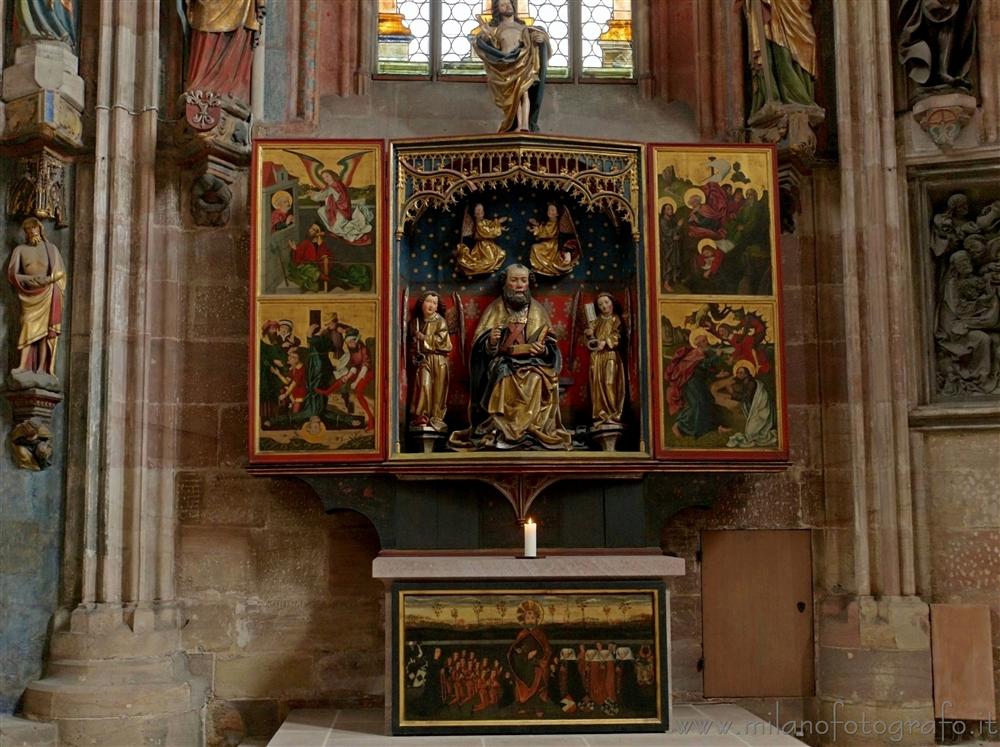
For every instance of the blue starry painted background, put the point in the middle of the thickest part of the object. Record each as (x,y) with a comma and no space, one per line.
(426,260)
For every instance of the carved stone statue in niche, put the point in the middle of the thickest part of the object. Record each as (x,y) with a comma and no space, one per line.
(967,279)
(479,254)
(38,276)
(782,46)
(557,249)
(223,35)
(516,57)
(215,132)
(514,374)
(937,42)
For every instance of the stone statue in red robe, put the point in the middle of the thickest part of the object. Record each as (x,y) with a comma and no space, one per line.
(223,36)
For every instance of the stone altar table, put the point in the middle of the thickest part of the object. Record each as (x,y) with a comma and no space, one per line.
(550,571)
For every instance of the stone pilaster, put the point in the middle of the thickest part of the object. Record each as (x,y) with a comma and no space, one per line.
(116,672)
(874,650)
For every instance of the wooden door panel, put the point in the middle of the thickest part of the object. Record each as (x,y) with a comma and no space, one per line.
(757,613)
(962,651)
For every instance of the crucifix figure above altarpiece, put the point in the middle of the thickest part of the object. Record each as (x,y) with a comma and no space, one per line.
(469,304)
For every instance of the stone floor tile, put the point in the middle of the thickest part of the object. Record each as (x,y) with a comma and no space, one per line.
(308,718)
(712,724)
(549,740)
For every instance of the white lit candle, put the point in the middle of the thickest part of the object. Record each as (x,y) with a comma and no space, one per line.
(530,539)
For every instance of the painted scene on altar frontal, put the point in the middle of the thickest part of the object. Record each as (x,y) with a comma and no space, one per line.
(317,212)
(721,385)
(558,657)
(317,378)
(715,220)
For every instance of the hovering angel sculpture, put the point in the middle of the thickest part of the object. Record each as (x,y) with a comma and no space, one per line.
(557,250)
(479,254)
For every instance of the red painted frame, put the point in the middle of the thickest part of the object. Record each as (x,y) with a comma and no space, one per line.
(660,449)
(378,298)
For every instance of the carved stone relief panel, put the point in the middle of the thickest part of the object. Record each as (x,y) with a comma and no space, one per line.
(959,258)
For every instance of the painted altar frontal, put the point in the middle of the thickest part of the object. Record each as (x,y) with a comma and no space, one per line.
(560,303)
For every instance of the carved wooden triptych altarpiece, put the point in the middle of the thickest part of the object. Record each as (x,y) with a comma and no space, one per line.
(666,253)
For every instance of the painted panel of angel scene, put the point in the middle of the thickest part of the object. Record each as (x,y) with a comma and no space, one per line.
(721,388)
(716,218)
(558,660)
(317,218)
(317,383)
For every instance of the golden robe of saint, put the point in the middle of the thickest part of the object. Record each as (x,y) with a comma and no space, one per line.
(516,58)
(607,374)
(485,255)
(514,393)
(430,380)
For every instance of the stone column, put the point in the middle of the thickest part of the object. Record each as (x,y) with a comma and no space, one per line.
(989,68)
(874,651)
(116,672)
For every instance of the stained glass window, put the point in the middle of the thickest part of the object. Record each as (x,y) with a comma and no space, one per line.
(606,38)
(430,38)
(553,16)
(404,37)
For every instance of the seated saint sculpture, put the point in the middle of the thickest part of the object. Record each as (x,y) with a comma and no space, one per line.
(514,374)
(516,57)
(479,253)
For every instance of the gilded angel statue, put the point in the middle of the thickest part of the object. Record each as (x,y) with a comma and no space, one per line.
(557,249)
(479,254)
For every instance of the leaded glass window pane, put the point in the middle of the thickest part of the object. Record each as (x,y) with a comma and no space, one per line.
(553,16)
(404,37)
(606,38)
(458,21)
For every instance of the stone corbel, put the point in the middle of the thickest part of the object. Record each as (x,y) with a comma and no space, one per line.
(214,140)
(944,116)
(789,126)
(43,96)
(30,438)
